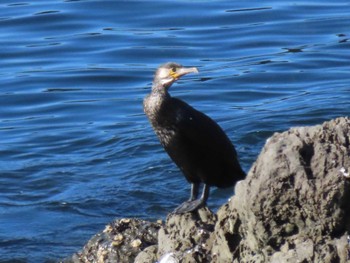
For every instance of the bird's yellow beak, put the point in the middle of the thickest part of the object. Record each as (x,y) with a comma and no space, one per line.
(182,71)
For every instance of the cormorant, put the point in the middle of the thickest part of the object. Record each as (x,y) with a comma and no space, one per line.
(196,143)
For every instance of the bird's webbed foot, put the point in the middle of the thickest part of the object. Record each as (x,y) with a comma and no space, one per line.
(193,204)
(189,206)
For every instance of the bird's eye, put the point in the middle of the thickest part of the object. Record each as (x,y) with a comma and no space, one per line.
(173,69)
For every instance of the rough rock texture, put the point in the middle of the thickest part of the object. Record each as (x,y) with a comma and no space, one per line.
(149,254)
(294,206)
(189,235)
(120,241)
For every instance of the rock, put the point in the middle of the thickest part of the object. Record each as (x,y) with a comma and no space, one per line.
(187,236)
(148,255)
(292,207)
(294,204)
(226,237)
(120,241)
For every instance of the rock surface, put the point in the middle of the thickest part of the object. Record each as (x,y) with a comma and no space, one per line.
(120,241)
(294,206)
(188,235)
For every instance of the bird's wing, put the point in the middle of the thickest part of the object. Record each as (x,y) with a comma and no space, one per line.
(201,130)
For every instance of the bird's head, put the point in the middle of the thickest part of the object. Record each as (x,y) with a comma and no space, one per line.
(170,72)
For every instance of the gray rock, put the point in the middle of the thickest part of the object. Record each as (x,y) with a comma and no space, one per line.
(148,255)
(294,204)
(187,236)
(121,241)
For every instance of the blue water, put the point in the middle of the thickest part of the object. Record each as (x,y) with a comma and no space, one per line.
(76,149)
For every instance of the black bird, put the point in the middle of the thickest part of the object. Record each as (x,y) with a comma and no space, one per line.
(196,143)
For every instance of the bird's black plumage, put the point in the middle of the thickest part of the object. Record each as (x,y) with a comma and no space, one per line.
(196,143)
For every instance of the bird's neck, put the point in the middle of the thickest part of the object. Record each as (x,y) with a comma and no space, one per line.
(158,86)
(154,101)
(160,91)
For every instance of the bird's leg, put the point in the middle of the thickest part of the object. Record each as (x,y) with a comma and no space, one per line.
(205,194)
(193,205)
(194,191)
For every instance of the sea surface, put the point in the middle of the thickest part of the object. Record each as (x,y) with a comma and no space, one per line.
(76,150)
